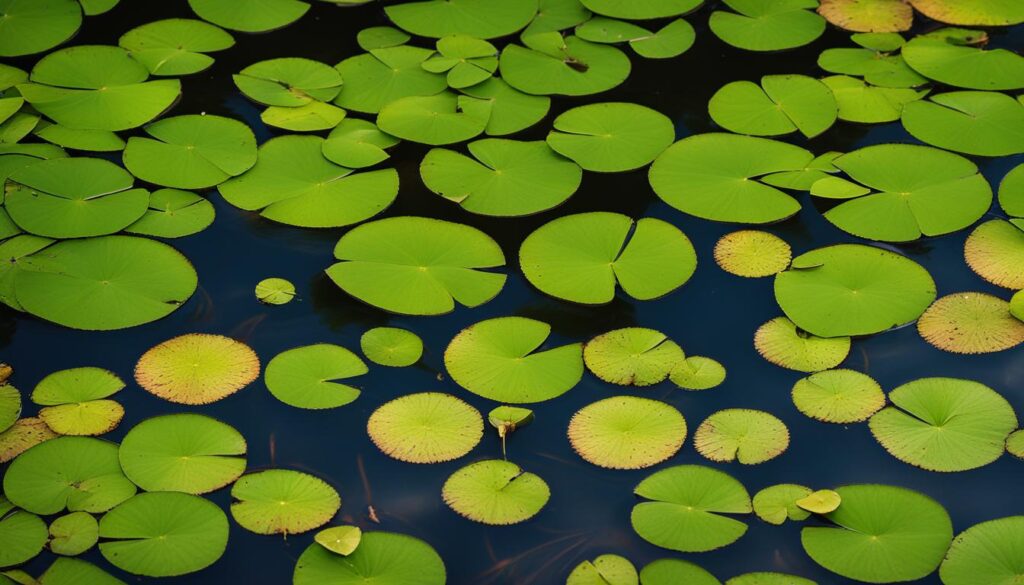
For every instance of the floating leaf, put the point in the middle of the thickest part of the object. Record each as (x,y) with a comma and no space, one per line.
(982,123)
(381,76)
(1011,192)
(876,16)
(780,342)
(945,57)
(632,356)
(311,117)
(820,501)
(671,571)
(16,252)
(73,401)
(688,508)
(73,534)
(876,66)
(611,137)
(971,323)
(34,26)
(357,143)
(556,16)
(627,432)
(944,424)
(569,66)
(582,257)
(391,346)
(740,434)
(866,104)
(275,291)
(289,82)
(476,18)
(465,59)
(672,40)
(342,540)
(511,109)
(89,140)
(838,396)
(498,359)
(988,552)
(10,406)
(188,453)
(380,37)
(426,267)
(68,571)
(428,427)
(382,557)
(777,503)
(174,214)
(506,419)
(769,579)
(780,105)
(251,16)
(698,373)
(767,25)
(444,118)
(642,9)
(1017,305)
(22,535)
(23,435)
(281,501)
(752,253)
(972,12)
(995,251)
(306,377)
(197,368)
(495,492)
(176,46)
(604,570)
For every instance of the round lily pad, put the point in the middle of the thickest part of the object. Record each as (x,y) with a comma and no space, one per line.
(740,434)
(251,16)
(762,578)
(767,26)
(495,492)
(752,253)
(850,289)
(634,356)
(391,346)
(944,424)
(714,176)
(982,123)
(428,427)
(307,377)
(443,118)
(641,9)
(381,76)
(311,117)
(34,26)
(282,501)
(780,342)
(863,103)
(988,552)
(995,250)
(669,571)
(611,137)
(74,473)
(971,323)
(507,178)
(384,557)
(690,508)
(176,46)
(972,12)
(425,268)
(380,37)
(777,503)
(292,183)
(104,283)
(499,359)
(780,105)
(879,16)
(188,453)
(820,501)
(511,109)
(627,432)
(73,534)
(476,18)
(944,56)
(22,535)
(342,540)
(604,570)
(698,373)
(23,435)
(289,82)
(563,66)
(584,257)
(164,534)
(275,291)
(10,406)
(838,396)
(174,214)
(356,143)
(197,368)
(882,534)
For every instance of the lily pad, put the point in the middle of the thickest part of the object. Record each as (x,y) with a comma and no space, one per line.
(164,534)
(1017,305)
(556,16)
(863,103)
(176,46)
(972,12)
(971,323)
(380,37)
(782,343)
(74,402)
(476,18)
(850,289)
(877,66)
(563,66)
(381,76)
(641,9)
(16,251)
(425,268)
(174,214)
(289,82)
(428,427)
(820,501)
(768,25)
(611,137)
(311,117)
(68,571)
(342,540)
(604,570)
(391,346)
(752,253)
(762,578)
(384,557)
(357,143)
(780,105)
(741,434)
(777,503)
(251,16)
(1011,192)
(443,118)
(307,377)
(22,535)
(627,432)
(583,257)
(10,406)
(73,534)
(670,571)
(88,140)
(698,373)
(714,176)
(995,251)
(282,501)
(275,291)
(464,59)
(634,356)
(495,492)
(690,509)
(838,396)
(883,534)
(877,16)
(988,552)
(671,40)
(188,453)
(499,359)
(944,57)
(511,109)
(197,368)
(22,436)
(982,123)
(34,26)
(507,178)
(945,424)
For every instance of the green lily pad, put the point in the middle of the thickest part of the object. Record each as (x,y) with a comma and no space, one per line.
(780,342)
(476,18)
(611,137)
(633,356)
(641,9)
(752,253)
(508,178)
(292,183)
(988,552)
(307,377)
(381,76)
(1017,305)
(563,66)
(383,557)
(10,406)
(499,359)
(698,373)
(74,473)
(275,291)
(74,401)
(16,251)
(176,46)
(777,503)
(174,214)
(68,571)
(104,283)
(604,570)
(22,535)
(289,82)
(197,368)
(428,427)
(380,37)
(944,424)
(88,140)
(495,492)
(22,436)
(511,109)
(972,12)
(164,534)
(767,25)
(444,118)
(714,176)
(871,17)
(971,323)
(944,57)
(97,87)
(740,434)
(251,16)
(1011,192)
(93,417)
(671,571)
(672,40)
(191,152)
(342,540)
(282,501)
(820,501)
(780,105)
(762,578)
(883,534)
(73,534)
(627,432)
(850,289)
(97,7)
(188,453)
(866,104)
(994,251)
(688,509)
(312,117)
(427,266)
(556,16)
(838,396)
(391,346)
(356,143)
(465,60)
(34,26)
(582,257)
(878,68)
(982,123)
(509,418)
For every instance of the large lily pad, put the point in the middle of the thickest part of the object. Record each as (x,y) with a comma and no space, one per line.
(197,368)
(307,377)
(740,434)
(34,26)
(428,427)
(68,571)
(946,58)
(176,46)
(289,82)
(988,552)
(627,432)
(251,16)
(971,323)
(780,105)
(282,501)
(768,25)
(476,18)
(983,123)
(495,492)
(563,66)
(611,137)
(383,557)
(73,534)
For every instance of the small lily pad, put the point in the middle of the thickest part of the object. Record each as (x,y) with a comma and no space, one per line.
(780,105)
(671,40)
(777,503)
(611,137)
(22,535)
(762,578)
(391,346)
(197,368)
(428,427)
(357,143)
(380,37)
(820,501)
(740,434)
(342,540)
(464,59)
(312,117)
(782,343)
(971,323)
(495,492)
(995,251)
(289,82)
(308,376)
(69,571)
(73,534)
(282,501)
(875,65)
(627,432)
(752,253)
(642,9)
(384,557)
(275,291)
(176,46)
(74,404)
(698,373)
(634,356)
(77,139)
(988,552)
(443,118)
(838,396)
(768,25)
(1011,192)
(604,570)
(174,214)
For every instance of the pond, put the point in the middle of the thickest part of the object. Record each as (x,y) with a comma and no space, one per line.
(714,314)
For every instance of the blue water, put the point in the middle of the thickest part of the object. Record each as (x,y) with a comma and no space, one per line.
(714,314)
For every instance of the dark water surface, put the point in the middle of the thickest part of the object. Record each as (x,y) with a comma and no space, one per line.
(714,314)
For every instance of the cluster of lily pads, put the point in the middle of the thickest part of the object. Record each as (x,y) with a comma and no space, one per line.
(82,239)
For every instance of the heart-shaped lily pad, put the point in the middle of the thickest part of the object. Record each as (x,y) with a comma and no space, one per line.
(307,377)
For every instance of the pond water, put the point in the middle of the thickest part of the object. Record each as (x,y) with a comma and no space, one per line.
(714,314)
